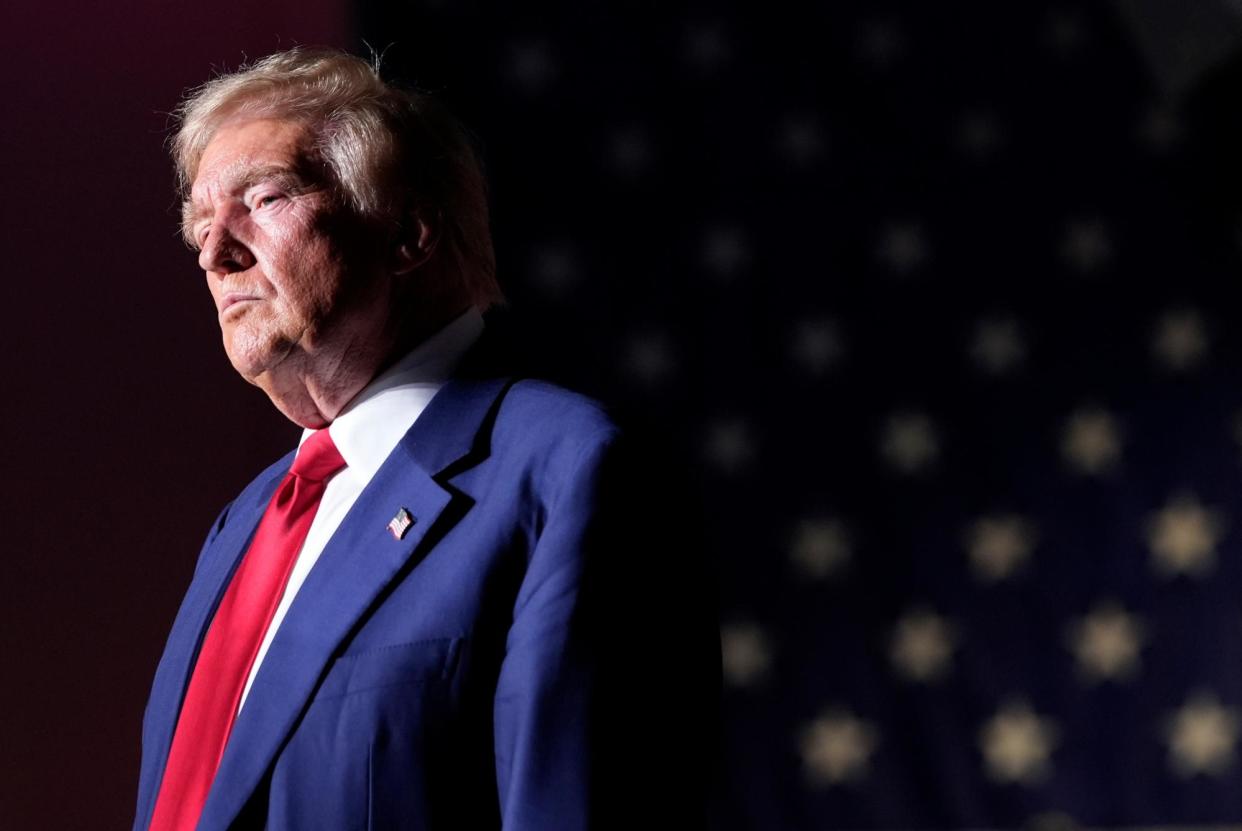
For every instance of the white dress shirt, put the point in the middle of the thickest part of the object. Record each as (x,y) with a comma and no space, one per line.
(365,433)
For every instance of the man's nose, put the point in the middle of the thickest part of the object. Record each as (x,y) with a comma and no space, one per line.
(222,252)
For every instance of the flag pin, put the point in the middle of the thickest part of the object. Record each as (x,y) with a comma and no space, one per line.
(401,523)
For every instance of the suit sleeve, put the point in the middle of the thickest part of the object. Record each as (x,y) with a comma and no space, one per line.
(603,714)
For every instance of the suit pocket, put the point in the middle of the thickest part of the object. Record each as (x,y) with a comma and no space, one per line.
(412,663)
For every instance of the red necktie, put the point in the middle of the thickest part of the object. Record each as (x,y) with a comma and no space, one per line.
(236,632)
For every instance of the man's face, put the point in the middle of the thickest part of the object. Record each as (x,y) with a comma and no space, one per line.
(284,262)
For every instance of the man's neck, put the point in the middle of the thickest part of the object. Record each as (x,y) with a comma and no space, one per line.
(311,390)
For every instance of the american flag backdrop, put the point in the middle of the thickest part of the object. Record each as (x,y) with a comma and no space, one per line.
(942,302)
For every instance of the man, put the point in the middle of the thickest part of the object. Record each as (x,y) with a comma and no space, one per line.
(440,611)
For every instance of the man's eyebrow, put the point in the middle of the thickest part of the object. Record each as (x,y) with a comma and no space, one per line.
(284,177)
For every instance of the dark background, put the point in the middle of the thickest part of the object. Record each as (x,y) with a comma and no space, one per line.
(937,299)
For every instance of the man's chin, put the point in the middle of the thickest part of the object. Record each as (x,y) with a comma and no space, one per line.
(252,371)
(257,361)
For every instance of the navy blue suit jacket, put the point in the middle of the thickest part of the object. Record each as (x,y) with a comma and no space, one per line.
(531,655)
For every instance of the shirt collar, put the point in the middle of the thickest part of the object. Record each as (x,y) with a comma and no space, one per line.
(372,423)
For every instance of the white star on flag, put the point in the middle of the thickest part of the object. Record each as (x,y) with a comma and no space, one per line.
(1180,340)
(979,134)
(999,545)
(554,268)
(998,346)
(1201,735)
(1091,441)
(729,445)
(1086,245)
(837,747)
(1183,536)
(1017,745)
(1106,643)
(816,345)
(531,65)
(922,645)
(909,442)
(649,358)
(746,653)
(726,251)
(903,247)
(821,547)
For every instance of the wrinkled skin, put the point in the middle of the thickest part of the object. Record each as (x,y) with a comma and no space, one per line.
(304,290)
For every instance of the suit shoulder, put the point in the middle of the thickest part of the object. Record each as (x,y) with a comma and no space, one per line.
(550,426)
(555,410)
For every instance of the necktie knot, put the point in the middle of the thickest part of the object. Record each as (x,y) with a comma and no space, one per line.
(317,458)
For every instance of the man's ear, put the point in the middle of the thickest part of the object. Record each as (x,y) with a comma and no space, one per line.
(415,240)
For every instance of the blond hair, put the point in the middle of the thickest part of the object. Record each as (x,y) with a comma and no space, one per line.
(388,149)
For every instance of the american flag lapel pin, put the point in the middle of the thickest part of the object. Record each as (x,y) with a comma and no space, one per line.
(401,523)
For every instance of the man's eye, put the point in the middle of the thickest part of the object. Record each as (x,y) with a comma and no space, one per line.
(264,201)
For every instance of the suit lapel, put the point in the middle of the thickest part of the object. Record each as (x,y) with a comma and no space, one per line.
(360,560)
(216,566)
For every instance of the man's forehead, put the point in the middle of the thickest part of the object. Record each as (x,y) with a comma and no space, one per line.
(243,174)
(240,151)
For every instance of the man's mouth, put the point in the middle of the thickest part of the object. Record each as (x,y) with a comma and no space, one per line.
(233,298)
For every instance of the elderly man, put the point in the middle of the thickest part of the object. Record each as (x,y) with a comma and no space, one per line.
(439,611)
